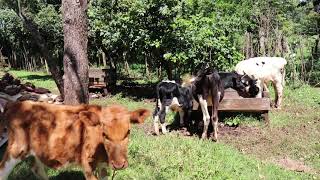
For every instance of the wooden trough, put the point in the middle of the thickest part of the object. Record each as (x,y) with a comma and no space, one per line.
(101,78)
(232,102)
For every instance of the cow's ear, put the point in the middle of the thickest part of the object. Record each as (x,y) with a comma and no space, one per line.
(89,118)
(138,116)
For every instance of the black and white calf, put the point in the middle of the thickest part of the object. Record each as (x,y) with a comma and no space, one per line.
(243,84)
(207,90)
(171,96)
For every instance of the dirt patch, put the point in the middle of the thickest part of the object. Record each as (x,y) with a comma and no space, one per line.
(223,130)
(293,165)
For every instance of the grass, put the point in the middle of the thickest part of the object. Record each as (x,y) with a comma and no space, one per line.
(251,151)
(176,157)
(39,79)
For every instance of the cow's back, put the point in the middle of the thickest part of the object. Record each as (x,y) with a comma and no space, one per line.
(51,132)
(267,68)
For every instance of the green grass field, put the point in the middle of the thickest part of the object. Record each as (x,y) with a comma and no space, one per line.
(288,149)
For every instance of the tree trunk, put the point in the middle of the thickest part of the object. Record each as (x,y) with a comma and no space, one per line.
(302,61)
(75,58)
(104,59)
(126,64)
(278,48)
(168,67)
(248,49)
(262,36)
(147,66)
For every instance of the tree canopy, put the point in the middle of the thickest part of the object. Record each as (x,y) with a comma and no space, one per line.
(170,37)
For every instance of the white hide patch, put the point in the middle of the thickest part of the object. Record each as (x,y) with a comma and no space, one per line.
(167,109)
(9,165)
(219,95)
(195,105)
(163,128)
(175,105)
(168,81)
(159,103)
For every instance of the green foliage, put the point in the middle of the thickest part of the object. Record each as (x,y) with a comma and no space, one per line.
(173,34)
(16,41)
(235,121)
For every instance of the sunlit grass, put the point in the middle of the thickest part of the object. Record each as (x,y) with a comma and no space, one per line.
(294,132)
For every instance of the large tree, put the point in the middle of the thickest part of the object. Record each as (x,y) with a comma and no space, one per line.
(75,58)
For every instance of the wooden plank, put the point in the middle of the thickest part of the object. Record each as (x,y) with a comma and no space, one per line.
(245,104)
(231,94)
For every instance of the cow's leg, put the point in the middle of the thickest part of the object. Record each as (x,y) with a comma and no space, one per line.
(18,141)
(182,116)
(195,105)
(162,117)
(87,166)
(156,121)
(7,164)
(205,114)
(38,169)
(265,87)
(214,117)
(156,117)
(278,93)
(260,85)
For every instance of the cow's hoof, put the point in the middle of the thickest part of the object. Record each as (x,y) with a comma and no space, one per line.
(277,108)
(204,136)
(215,139)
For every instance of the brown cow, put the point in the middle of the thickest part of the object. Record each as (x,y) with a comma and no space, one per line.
(57,135)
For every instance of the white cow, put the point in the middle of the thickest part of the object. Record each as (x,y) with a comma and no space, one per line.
(265,69)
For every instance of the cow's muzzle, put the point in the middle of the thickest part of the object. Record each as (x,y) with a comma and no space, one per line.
(119,165)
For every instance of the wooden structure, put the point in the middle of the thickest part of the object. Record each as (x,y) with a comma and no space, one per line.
(232,102)
(101,78)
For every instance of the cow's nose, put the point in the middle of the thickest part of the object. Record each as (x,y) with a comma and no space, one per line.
(119,165)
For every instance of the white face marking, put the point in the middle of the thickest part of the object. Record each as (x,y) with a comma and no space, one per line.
(247,89)
(192,79)
(9,165)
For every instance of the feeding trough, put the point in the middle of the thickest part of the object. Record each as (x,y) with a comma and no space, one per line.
(232,102)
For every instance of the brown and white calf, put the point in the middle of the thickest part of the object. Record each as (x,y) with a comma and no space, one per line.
(265,69)
(57,135)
